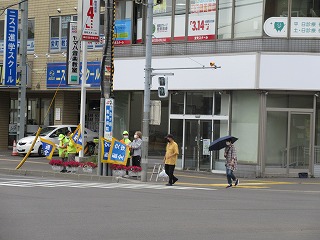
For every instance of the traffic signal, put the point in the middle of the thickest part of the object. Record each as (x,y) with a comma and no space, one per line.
(163,87)
(159,1)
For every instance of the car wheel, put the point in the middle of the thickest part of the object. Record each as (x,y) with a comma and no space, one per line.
(40,151)
(89,149)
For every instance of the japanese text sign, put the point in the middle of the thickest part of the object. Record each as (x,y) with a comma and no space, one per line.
(10,47)
(118,153)
(108,119)
(90,20)
(106,145)
(48,147)
(76,138)
(73,55)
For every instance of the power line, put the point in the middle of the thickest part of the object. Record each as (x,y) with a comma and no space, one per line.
(9,6)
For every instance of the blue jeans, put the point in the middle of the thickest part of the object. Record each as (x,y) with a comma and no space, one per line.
(230,176)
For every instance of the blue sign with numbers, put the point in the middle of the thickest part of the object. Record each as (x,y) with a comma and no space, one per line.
(10,47)
(56,73)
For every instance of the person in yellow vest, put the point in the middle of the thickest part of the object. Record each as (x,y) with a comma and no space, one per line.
(126,141)
(170,159)
(71,148)
(62,148)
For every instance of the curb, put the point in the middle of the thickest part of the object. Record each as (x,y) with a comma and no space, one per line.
(71,176)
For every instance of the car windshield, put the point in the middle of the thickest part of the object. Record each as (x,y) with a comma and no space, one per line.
(45,131)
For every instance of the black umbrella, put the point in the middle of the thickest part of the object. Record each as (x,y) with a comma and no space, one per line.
(221,142)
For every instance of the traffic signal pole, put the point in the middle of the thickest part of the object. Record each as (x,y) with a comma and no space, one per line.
(146,99)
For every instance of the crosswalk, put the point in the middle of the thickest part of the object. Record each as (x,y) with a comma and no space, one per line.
(31,183)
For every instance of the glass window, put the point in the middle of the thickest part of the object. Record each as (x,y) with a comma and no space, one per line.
(180,20)
(305,8)
(59,32)
(221,103)
(32,114)
(13,111)
(176,129)
(177,103)
(31,28)
(55,23)
(317,133)
(30,45)
(120,121)
(225,19)
(305,18)
(248,18)
(64,25)
(289,101)
(199,103)
(202,18)
(138,10)
(274,9)
(162,22)
(136,112)
(157,143)
(123,23)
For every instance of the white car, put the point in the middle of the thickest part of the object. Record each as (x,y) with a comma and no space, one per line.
(51,133)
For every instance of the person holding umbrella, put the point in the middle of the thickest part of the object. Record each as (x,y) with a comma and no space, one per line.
(231,162)
(230,154)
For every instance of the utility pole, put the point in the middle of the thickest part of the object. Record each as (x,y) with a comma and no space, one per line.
(106,83)
(146,100)
(22,92)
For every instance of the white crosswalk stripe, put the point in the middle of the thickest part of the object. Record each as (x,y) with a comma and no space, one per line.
(29,183)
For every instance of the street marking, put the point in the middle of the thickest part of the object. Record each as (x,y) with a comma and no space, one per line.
(25,183)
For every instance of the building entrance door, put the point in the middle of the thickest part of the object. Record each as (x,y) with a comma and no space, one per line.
(197,140)
(288,142)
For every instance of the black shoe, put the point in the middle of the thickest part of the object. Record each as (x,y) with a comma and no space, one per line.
(229,186)
(175,181)
(237,182)
(63,170)
(168,184)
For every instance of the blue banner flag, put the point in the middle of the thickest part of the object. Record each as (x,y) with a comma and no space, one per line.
(106,145)
(48,147)
(10,47)
(118,153)
(76,138)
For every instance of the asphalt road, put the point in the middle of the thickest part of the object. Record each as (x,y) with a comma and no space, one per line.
(37,208)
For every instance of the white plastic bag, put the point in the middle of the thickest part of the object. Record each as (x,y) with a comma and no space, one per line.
(163,173)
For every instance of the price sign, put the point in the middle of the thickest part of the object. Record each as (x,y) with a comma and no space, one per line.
(90,20)
(201,26)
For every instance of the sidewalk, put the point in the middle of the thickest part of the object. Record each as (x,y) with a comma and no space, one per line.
(39,167)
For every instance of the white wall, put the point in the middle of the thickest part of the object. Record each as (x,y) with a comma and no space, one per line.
(236,72)
(246,71)
(290,72)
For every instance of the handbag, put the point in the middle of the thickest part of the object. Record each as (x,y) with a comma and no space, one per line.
(163,174)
